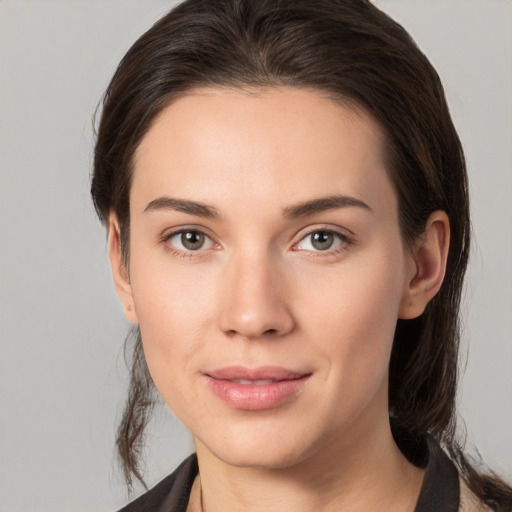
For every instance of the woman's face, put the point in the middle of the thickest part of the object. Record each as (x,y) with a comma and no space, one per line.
(267,271)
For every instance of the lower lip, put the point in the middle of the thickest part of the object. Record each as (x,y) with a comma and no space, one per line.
(253,397)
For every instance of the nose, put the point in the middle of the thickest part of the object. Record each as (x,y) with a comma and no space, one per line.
(253,299)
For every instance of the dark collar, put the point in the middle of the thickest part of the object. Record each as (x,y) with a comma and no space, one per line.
(441,487)
(439,493)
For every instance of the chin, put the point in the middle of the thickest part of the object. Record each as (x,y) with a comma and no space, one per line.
(265,459)
(268,448)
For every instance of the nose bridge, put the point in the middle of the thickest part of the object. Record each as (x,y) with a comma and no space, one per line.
(253,299)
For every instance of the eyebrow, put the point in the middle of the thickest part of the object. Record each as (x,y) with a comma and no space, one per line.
(323,204)
(302,209)
(183,205)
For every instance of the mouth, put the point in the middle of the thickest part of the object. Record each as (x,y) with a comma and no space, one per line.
(246,382)
(256,389)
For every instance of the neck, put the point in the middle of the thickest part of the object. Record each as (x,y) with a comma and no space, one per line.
(362,470)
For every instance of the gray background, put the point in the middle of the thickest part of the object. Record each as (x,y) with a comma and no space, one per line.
(62,374)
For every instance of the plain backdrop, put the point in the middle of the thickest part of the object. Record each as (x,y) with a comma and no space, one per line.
(62,375)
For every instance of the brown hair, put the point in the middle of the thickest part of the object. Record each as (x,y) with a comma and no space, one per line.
(354,52)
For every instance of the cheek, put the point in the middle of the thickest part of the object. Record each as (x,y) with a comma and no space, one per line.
(174,308)
(346,316)
(352,311)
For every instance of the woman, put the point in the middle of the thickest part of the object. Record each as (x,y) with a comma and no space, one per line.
(287,208)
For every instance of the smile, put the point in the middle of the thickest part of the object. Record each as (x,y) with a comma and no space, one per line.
(256,389)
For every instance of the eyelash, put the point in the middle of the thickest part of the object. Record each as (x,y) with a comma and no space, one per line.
(185,253)
(345,240)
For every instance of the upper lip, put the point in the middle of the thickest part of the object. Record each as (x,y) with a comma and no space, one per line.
(274,373)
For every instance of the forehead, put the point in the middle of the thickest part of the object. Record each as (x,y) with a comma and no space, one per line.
(262,144)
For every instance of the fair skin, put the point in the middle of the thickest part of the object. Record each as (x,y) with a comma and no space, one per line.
(267,272)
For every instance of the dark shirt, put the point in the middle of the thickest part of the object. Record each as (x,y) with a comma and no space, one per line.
(440,491)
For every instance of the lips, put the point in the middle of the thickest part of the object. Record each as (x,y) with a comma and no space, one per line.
(256,389)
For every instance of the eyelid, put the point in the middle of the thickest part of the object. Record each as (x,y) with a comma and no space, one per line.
(168,234)
(345,235)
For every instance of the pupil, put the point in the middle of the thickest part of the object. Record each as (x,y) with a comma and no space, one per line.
(192,240)
(322,240)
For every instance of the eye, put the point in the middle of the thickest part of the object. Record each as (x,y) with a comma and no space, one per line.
(189,240)
(321,241)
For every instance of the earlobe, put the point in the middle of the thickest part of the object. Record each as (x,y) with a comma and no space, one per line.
(119,270)
(428,266)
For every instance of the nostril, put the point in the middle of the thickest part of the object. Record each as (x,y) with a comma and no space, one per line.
(270,331)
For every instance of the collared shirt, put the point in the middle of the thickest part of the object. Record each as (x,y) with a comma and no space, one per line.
(442,490)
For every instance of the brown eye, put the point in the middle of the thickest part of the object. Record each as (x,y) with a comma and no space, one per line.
(322,240)
(192,240)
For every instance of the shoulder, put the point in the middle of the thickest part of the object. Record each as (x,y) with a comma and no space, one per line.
(172,493)
(444,481)
(443,488)
(469,502)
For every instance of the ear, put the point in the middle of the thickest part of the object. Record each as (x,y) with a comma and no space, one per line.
(427,264)
(119,271)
